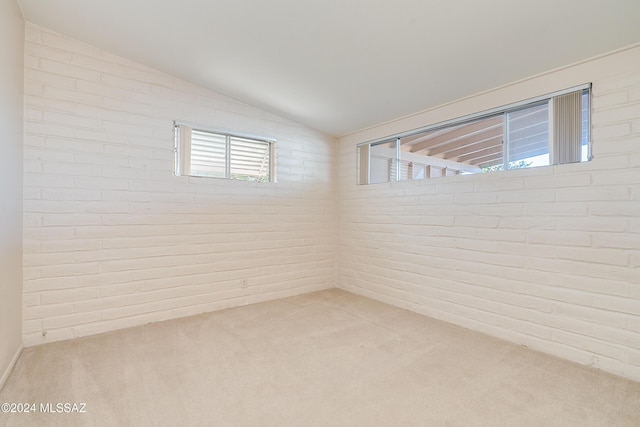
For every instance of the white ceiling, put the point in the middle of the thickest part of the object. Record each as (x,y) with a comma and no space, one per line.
(342,65)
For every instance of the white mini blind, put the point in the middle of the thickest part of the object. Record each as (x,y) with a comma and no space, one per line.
(249,158)
(219,155)
(208,154)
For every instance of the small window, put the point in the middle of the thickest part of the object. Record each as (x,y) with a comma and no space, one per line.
(222,155)
(549,130)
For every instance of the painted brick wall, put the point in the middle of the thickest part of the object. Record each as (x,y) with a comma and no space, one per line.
(112,239)
(11,130)
(547,257)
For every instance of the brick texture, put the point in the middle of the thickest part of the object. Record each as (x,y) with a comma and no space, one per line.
(112,239)
(547,257)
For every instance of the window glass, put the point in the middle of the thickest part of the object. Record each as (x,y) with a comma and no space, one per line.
(219,155)
(249,159)
(383,162)
(528,137)
(208,154)
(540,132)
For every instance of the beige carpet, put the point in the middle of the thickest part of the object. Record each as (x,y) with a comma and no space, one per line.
(325,359)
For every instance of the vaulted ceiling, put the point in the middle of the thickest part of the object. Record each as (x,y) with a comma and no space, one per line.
(342,65)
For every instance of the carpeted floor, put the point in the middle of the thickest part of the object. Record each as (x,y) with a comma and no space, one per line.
(325,359)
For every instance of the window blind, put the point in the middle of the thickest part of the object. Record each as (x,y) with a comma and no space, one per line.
(208,154)
(249,158)
(219,155)
(567,129)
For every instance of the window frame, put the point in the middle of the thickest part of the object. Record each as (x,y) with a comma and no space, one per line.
(182,150)
(472,118)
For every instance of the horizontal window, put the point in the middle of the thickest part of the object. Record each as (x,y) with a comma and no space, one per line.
(221,155)
(544,131)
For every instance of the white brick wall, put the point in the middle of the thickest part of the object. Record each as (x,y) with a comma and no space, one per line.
(548,257)
(11,170)
(113,239)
